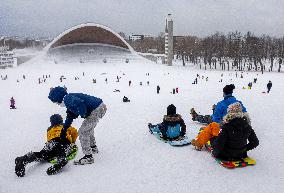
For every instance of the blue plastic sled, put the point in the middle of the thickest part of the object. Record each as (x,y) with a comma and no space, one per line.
(182,141)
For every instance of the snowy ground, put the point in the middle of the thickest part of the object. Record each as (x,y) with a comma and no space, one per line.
(130,159)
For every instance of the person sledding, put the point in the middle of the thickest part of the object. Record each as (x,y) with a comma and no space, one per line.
(53,148)
(213,128)
(125,99)
(231,142)
(172,127)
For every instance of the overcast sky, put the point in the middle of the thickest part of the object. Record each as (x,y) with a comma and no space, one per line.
(35,18)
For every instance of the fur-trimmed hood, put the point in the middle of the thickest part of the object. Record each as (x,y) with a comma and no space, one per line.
(172,118)
(235,111)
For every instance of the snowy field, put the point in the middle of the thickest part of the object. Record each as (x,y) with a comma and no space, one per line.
(130,159)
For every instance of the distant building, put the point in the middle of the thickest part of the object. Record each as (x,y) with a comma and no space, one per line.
(135,37)
(7,58)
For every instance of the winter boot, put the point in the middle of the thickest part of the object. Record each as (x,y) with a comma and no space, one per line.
(56,167)
(193,114)
(20,166)
(150,126)
(20,163)
(87,159)
(196,145)
(94,149)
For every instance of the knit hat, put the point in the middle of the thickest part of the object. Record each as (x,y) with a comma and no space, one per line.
(234,110)
(171,110)
(57,94)
(56,119)
(228,89)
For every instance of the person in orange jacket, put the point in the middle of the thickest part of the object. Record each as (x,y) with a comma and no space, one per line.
(54,148)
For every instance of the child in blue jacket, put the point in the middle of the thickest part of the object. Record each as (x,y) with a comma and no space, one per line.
(173,125)
(90,108)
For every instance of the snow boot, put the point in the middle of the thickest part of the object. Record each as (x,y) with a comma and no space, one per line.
(193,114)
(150,126)
(20,163)
(56,168)
(196,145)
(20,166)
(87,159)
(94,149)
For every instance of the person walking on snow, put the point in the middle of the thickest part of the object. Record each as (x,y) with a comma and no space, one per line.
(12,103)
(158,89)
(90,108)
(269,85)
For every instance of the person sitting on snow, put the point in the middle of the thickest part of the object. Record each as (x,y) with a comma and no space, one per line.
(125,99)
(54,148)
(231,143)
(219,112)
(90,108)
(173,125)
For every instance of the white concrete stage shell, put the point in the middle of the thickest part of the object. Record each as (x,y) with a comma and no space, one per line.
(89,41)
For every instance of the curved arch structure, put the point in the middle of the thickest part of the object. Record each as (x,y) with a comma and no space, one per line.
(89,33)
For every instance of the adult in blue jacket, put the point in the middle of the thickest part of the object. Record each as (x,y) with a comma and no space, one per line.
(221,108)
(90,108)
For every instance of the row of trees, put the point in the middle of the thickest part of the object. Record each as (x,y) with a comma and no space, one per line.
(235,49)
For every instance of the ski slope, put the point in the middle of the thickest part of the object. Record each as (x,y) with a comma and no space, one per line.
(130,159)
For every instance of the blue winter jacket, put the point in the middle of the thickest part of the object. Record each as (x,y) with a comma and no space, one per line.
(221,108)
(77,104)
(172,126)
(81,104)
(173,131)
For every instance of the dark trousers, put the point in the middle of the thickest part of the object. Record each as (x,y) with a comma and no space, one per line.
(52,149)
(203,119)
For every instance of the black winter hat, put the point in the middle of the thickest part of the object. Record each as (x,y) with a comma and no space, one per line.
(228,89)
(171,110)
(56,119)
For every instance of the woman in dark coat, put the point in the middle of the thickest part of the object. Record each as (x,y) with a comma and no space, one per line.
(236,136)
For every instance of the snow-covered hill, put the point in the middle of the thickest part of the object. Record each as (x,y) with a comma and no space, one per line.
(130,159)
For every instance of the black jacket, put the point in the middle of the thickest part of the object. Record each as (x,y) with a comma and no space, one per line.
(231,142)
